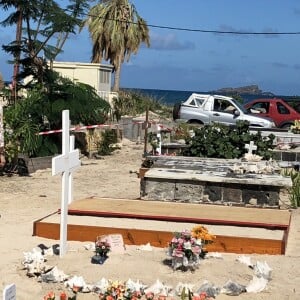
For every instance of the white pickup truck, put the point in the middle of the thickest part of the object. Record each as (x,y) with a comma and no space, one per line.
(206,109)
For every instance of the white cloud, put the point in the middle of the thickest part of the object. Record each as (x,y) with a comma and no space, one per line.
(169,42)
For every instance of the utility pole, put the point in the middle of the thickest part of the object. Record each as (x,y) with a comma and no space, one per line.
(146,125)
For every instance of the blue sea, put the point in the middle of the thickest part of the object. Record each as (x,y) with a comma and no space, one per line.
(170,97)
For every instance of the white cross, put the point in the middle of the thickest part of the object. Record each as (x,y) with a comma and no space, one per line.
(251,147)
(158,135)
(65,164)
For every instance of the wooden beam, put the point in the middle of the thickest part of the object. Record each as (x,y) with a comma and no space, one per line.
(225,244)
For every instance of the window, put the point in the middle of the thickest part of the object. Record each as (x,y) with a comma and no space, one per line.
(261,107)
(104,76)
(193,102)
(199,101)
(282,109)
(223,106)
(217,105)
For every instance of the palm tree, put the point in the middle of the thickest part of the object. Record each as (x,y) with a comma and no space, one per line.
(44,21)
(116,30)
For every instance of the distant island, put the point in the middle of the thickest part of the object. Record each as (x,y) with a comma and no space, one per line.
(244,90)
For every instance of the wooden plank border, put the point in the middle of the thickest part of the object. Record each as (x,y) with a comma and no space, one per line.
(225,244)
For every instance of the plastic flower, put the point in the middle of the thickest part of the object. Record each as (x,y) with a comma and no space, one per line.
(102,247)
(186,247)
(63,296)
(149,296)
(296,127)
(201,233)
(49,296)
(203,296)
(177,253)
(197,249)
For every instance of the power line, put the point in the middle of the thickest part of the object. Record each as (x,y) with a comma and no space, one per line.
(206,31)
(221,31)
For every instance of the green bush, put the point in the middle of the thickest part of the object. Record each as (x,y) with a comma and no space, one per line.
(109,138)
(133,103)
(221,141)
(41,110)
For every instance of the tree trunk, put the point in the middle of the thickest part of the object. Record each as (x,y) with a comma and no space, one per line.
(17,58)
(116,86)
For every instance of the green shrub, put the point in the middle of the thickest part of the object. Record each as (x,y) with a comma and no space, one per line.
(133,103)
(106,146)
(221,141)
(295,189)
(41,110)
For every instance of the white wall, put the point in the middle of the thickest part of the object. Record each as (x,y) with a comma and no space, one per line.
(88,73)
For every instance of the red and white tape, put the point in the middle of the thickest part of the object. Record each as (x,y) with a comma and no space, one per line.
(99,126)
(77,128)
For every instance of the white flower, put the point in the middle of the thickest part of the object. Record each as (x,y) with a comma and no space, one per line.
(187,245)
(198,242)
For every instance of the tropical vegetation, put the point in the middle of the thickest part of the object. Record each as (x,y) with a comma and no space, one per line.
(38,94)
(221,141)
(134,103)
(117,31)
(41,110)
(42,27)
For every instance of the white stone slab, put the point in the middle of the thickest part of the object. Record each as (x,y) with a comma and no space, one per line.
(197,175)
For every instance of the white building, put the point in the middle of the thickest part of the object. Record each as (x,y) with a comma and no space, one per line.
(98,76)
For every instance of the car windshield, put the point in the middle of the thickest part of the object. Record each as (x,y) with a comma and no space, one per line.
(240,106)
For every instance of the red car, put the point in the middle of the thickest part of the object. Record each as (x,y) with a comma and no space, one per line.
(277,109)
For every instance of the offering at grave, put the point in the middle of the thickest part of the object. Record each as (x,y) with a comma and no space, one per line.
(187,248)
(102,247)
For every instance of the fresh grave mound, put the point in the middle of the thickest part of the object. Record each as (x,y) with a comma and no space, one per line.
(223,273)
(238,230)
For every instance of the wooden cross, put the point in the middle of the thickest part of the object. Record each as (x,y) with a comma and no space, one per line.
(251,147)
(65,164)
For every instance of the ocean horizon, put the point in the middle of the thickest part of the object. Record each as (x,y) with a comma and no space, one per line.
(170,97)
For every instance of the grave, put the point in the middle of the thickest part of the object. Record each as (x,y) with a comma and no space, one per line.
(238,230)
(216,181)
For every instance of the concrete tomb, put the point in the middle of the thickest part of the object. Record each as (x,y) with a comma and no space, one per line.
(215,181)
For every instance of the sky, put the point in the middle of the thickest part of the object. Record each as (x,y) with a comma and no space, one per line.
(196,61)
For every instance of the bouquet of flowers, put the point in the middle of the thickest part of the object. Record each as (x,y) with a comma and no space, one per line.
(117,290)
(102,247)
(187,247)
(202,233)
(296,127)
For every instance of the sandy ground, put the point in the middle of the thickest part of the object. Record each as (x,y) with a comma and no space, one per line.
(25,199)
